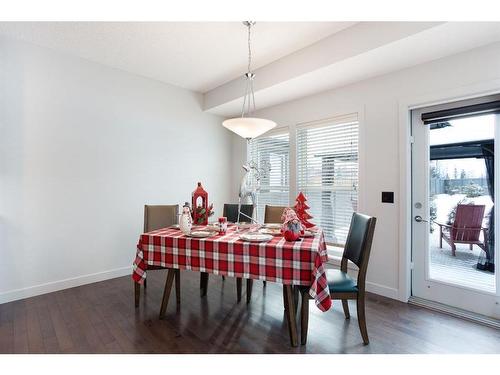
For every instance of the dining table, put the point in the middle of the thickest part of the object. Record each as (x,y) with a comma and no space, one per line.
(290,263)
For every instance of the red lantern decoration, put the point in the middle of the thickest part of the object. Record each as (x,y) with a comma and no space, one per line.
(200,205)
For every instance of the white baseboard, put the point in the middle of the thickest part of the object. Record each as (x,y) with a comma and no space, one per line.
(382,290)
(54,286)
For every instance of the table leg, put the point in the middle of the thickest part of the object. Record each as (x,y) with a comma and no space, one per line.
(249,290)
(285,303)
(304,316)
(178,286)
(296,298)
(290,314)
(137,293)
(166,292)
(238,288)
(204,283)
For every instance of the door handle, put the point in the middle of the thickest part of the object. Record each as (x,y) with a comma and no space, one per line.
(419,219)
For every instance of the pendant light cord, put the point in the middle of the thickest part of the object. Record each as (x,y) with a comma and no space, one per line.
(249,97)
(249,49)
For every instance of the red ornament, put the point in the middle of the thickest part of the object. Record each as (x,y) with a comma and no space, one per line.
(300,208)
(290,235)
(199,202)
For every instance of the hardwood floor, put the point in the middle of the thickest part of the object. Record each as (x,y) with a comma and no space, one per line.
(101,318)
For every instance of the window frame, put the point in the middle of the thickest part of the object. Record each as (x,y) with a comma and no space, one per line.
(281,130)
(291,128)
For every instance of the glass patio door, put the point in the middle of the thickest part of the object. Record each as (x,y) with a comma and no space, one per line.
(454,179)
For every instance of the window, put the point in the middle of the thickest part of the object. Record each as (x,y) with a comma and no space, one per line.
(272,151)
(327,173)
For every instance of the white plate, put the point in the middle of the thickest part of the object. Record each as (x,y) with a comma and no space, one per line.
(308,233)
(201,234)
(213,227)
(272,232)
(256,237)
(273,226)
(244,225)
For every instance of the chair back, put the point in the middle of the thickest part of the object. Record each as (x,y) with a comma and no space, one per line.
(156,217)
(468,222)
(272,214)
(230,211)
(358,245)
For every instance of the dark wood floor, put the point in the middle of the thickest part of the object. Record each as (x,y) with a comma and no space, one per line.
(101,318)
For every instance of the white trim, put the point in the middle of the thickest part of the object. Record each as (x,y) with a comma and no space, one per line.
(405,106)
(55,286)
(450,310)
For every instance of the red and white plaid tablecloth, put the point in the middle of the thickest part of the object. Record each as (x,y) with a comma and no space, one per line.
(289,263)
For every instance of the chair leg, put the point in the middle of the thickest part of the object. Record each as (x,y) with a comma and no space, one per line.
(264,283)
(137,293)
(166,292)
(470,247)
(238,289)
(145,284)
(304,316)
(178,286)
(345,306)
(249,290)
(204,283)
(453,249)
(223,278)
(361,318)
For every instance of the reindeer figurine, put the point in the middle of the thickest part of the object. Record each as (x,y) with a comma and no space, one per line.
(250,185)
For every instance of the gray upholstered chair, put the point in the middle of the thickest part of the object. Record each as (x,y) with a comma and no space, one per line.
(157,217)
(342,286)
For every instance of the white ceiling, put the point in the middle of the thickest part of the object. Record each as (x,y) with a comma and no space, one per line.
(290,59)
(195,55)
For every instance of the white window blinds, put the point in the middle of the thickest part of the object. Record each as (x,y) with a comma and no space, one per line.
(327,173)
(272,150)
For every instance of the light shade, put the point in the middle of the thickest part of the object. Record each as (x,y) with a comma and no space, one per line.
(248,127)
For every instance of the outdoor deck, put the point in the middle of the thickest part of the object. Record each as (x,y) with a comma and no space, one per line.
(460,269)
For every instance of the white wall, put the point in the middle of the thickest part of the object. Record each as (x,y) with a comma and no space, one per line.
(378,101)
(82,148)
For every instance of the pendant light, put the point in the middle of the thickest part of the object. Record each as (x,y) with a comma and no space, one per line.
(246,126)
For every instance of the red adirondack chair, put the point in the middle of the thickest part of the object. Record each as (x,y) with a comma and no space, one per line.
(466,228)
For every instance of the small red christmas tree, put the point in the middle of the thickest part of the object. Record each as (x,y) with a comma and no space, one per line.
(300,208)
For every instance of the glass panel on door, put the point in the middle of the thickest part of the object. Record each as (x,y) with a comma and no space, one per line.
(461,191)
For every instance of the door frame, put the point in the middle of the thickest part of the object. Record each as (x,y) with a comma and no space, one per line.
(406,104)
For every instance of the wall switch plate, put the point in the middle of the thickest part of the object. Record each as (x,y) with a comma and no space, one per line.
(387,197)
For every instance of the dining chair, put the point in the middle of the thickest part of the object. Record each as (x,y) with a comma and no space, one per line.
(230,211)
(272,214)
(156,217)
(341,285)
